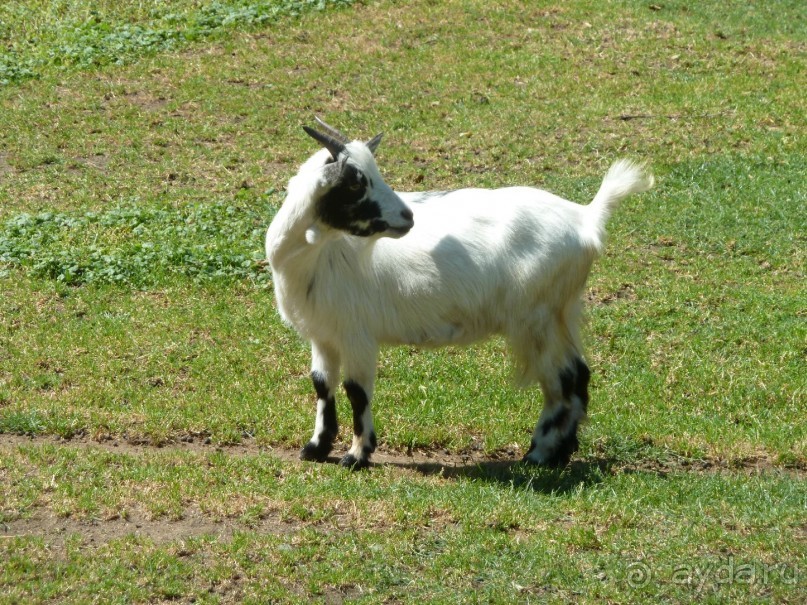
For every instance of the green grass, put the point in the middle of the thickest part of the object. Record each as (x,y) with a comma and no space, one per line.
(144,148)
(486,535)
(42,36)
(136,245)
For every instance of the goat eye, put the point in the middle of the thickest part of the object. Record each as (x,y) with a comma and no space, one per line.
(354,186)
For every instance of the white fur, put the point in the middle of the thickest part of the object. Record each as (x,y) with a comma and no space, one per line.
(477,262)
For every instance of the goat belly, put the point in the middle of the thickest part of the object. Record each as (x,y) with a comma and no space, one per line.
(438,331)
(433,336)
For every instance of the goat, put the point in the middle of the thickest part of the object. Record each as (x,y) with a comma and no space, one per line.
(356,266)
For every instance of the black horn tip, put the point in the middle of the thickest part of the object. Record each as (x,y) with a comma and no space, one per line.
(330,143)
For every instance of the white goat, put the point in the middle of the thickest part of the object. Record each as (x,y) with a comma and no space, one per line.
(357,265)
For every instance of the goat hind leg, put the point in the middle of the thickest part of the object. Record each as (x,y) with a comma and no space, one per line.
(565,405)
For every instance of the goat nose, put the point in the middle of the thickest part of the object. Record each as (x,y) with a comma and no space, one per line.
(407,214)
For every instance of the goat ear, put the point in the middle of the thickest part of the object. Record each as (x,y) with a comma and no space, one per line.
(373,143)
(327,141)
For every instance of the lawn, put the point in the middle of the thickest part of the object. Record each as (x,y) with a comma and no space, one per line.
(151,401)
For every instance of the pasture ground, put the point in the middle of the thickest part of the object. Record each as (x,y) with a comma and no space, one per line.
(151,403)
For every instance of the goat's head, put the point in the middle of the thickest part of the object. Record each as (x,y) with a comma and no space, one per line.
(356,199)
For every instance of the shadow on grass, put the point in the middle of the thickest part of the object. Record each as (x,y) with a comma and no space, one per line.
(578,474)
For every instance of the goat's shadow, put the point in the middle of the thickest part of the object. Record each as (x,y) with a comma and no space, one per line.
(556,481)
(514,473)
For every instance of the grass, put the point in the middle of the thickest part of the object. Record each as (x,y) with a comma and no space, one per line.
(75,34)
(488,535)
(137,178)
(137,246)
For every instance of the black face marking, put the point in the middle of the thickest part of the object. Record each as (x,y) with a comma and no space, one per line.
(347,207)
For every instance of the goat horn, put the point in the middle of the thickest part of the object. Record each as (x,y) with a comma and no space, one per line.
(332,131)
(327,141)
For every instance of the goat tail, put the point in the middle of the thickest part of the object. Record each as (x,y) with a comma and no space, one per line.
(624,178)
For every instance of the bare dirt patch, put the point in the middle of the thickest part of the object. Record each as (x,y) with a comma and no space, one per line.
(424,461)
(5,165)
(437,461)
(600,296)
(56,530)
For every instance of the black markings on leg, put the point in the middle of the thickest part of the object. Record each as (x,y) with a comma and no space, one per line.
(330,425)
(556,436)
(562,452)
(359,403)
(318,449)
(567,446)
(574,381)
(556,421)
(320,386)
(581,384)
(316,452)
(355,464)
(568,379)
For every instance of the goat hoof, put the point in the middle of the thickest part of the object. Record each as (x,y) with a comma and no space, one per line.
(551,462)
(532,458)
(355,464)
(531,461)
(315,452)
(563,454)
(558,458)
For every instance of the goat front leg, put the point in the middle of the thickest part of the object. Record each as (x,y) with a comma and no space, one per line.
(359,383)
(325,376)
